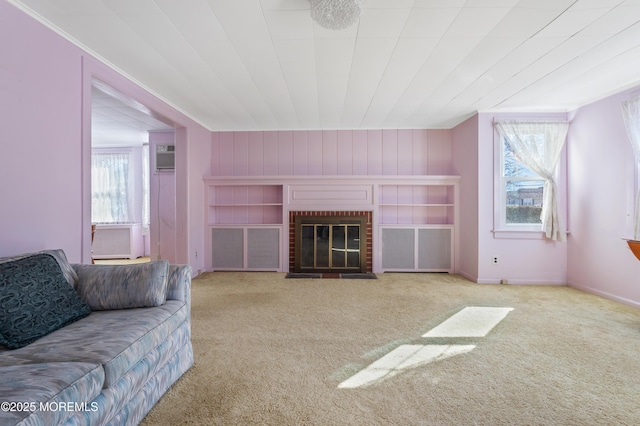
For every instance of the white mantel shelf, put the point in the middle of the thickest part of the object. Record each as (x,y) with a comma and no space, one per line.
(346,179)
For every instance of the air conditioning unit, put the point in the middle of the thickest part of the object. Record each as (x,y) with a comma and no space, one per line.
(165,157)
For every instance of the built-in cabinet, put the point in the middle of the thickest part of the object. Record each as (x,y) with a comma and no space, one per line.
(414,218)
(417,248)
(418,225)
(245,226)
(251,248)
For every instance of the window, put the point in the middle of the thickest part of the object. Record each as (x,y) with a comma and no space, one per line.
(631,115)
(529,154)
(521,189)
(110,188)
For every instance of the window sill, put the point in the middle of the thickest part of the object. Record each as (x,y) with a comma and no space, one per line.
(519,234)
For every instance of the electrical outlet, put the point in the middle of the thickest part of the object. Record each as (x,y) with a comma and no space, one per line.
(494,260)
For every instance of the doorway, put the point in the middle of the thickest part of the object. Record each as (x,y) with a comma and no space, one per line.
(121,126)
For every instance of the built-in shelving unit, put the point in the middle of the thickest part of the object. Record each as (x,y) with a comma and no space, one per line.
(414,218)
(418,224)
(244,225)
(244,204)
(417,204)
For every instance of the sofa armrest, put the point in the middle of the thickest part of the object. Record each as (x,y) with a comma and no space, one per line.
(179,283)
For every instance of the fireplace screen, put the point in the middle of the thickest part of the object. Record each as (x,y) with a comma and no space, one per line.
(330,244)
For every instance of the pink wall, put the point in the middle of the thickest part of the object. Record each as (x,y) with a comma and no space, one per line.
(331,152)
(45,105)
(521,260)
(162,190)
(465,164)
(40,164)
(194,158)
(601,175)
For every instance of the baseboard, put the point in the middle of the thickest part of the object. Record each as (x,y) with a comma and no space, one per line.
(521,282)
(605,295)
(468,276)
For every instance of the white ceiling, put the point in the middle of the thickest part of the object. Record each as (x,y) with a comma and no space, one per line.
(119,121)
(263,64)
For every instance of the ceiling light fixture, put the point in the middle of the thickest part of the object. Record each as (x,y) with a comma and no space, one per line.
(335,14)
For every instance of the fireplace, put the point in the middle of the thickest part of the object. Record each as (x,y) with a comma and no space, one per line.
(336,242)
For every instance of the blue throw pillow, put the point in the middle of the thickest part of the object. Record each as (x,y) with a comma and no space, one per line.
(67,270)
(35,299)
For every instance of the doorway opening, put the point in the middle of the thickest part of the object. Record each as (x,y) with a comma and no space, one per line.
(123,182)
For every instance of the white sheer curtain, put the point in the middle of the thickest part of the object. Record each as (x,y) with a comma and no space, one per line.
(538,145)
(110,195)
(631,114)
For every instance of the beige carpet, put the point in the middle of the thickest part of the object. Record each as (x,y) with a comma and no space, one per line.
(272,351)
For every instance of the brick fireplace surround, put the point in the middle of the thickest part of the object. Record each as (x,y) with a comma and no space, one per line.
(369,233)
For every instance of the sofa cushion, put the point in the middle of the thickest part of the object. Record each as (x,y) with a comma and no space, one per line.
(117,339)
(36,299)
(174,354)
(67,269)
(48,393)
(106,287)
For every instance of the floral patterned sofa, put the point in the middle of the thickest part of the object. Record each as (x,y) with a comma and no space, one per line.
(89,344)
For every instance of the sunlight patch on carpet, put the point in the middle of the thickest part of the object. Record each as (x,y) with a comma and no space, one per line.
(472,321)
(402,358)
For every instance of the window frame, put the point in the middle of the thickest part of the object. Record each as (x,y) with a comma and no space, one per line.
(633,175)
(502,229)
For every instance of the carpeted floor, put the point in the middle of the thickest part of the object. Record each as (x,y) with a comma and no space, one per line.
(272,351)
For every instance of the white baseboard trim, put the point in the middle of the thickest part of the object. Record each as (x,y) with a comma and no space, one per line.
(470,277)
(521,282)
(606,295)
(477,280)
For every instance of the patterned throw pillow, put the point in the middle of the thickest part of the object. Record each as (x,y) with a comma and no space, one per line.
(106,287)
(58,254)
(35,299)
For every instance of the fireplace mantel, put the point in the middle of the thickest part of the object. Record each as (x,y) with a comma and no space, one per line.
(333,180)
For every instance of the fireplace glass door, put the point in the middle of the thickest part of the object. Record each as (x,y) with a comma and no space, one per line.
(329,247)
